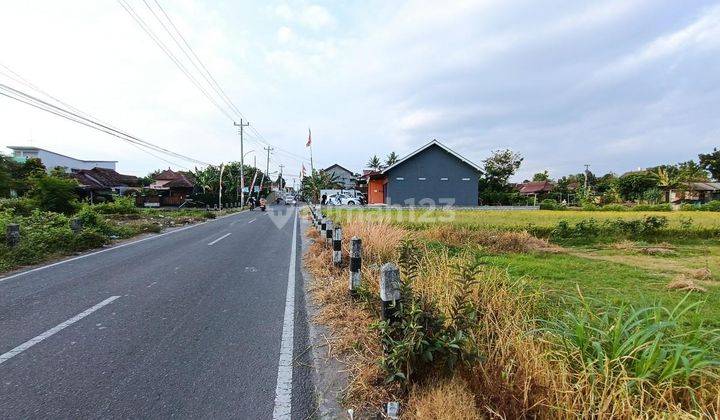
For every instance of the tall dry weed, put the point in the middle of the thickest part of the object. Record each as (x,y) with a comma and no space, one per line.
(517,378)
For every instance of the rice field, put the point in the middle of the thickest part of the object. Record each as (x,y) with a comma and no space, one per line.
(513,219)
(579,291)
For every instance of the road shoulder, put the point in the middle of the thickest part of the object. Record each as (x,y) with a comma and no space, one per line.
(328,373)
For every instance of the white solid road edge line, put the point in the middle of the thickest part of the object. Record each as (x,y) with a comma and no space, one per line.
(26,345)
(283,390)
(79,257)
(219,239)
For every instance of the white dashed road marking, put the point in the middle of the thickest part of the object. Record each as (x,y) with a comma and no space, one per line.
(283,390)
(52,331)
(219,239)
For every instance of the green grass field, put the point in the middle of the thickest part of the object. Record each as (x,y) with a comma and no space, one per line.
(607,271)
(514,219)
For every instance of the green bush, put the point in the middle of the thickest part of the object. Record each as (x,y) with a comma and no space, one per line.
(615,207)
(422,341)
(652,207)
(91,219)
(209,215)
(55,194)
(120,205)
(711,206)
(20,206)
(550,204)
(646,345)
(88,239)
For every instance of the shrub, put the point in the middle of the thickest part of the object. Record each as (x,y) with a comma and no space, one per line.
(643,347)
(88,239)
(55,194)
(91,219)
(422,338)
(652,207)
(20,206)
(120,205)
(615,207)
(711,206)
(550,204)
(209,215)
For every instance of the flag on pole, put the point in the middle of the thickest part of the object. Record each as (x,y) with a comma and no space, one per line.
(309,142)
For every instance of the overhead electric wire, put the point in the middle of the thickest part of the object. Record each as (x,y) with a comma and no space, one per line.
(209,79)
(144,26)
(89,122)
(18,78)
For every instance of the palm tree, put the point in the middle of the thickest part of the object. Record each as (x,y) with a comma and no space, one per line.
(392,159)
(665,181)
(374,163)
(313,184)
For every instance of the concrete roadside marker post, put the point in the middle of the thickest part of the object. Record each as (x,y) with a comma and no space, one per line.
(337,246)
(328,233)
(355,264)
(389,290)
(12,234)
(76,225)
(393,410)
(322,226)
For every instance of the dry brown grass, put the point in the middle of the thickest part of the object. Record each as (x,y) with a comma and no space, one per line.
(442,399)
(351,341)
(685,283)
(517,377)
(495,241)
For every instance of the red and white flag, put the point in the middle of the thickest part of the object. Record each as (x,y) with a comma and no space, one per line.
(309,142)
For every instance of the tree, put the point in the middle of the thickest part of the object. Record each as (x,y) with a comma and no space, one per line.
(313,184)
(541,176)
(633,185)
(691,171)
(711,163)
(391,159)
(499,167)
(55,194)
(374,163)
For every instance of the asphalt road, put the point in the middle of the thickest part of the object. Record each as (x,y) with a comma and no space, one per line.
(188,324)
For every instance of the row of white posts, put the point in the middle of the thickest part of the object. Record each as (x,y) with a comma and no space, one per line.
(331,235)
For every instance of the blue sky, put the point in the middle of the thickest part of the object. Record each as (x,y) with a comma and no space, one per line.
(617,85)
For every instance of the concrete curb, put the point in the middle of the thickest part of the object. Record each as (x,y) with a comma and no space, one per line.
(328,376)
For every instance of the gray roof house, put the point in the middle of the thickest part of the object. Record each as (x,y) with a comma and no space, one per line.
(343,176)
(432,175)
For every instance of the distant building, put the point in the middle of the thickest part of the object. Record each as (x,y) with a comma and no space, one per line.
(104,182)
(432,175)
(342,176)
(173,188)
(52,160)
(535,187)
(694,192)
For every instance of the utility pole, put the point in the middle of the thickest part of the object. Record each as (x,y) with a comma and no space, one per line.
(280,180)
(222,168)
(267,164)
(242,161)
(587,169)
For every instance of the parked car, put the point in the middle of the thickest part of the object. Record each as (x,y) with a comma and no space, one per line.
(343,200)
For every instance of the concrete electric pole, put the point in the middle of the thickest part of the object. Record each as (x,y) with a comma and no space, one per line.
(242,161)
(267,164)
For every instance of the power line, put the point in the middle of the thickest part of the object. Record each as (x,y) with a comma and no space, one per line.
(146,28)
(18,78)
(212,82)
(88,122)
(209,79)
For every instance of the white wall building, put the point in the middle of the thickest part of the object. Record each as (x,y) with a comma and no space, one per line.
(52,160)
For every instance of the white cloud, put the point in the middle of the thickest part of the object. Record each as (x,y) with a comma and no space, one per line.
(316,17)
(285,35)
